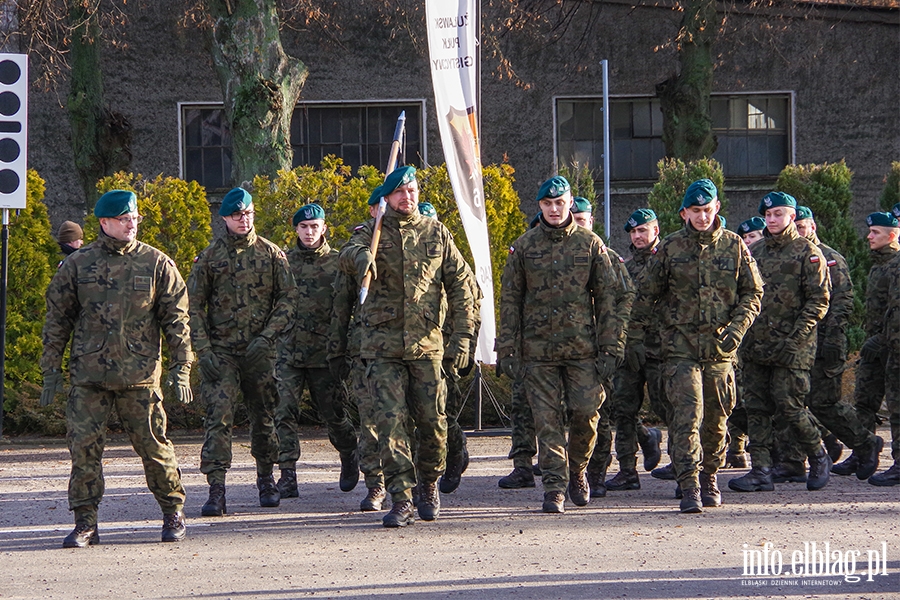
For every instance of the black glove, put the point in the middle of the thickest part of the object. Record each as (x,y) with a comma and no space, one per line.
(728,341)
(635,357)
(605,364)
(509,366)
(339,367)
(786,351)
(464,372)
(210,368)
(872,349)
(53,384)
(365,262)
(833,358)
(258,353)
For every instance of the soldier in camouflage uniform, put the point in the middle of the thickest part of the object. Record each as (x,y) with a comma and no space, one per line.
(240,290)
(302,356)
(641,368)
(706,286)
(780,348)
(877,377)
(559,331)
(112,298)
(402,347)
(824,398)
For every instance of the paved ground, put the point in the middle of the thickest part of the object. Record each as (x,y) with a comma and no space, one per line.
(487,543)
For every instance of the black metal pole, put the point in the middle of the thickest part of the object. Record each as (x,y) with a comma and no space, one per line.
(478,396)
(4,269)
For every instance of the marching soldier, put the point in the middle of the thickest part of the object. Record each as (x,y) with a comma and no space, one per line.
(240,295)
(302,360)
(113,298)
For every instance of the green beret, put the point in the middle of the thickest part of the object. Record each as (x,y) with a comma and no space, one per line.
(375,196)
(426,209)
(752,224)
(534,221)
(639,217)
(803,212)
(775,199)
(553,188)
(882,219)
(399,176)
(895,210)
(699,193)
(581,205)
(309,212)
(234,201)
(115,203)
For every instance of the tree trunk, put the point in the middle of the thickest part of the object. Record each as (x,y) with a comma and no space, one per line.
(260,85)
(101,139)
(685,96)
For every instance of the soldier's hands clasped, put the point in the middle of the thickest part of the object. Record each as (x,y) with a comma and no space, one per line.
(365,262)
(53,384)
(605,364)
(180,381)
(210,368)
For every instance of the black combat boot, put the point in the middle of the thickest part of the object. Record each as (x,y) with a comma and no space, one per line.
(834,446)
(174,528)
(349,471)
(848,466)
(268,491)
(887,478)
(625,479)
(554,502)
(667,472)
(691,503)
(521,477)
(869,455)
(452,473)
(650,448)
(597,479)
(789,472)
(429,502)
(374,500)
(819,470)
(287,484)
(82,536)
(579,490)
(759,479)
(736,460)
(401,515)
(710,496)
(215,504)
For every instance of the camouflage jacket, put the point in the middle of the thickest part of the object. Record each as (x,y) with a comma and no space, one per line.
(833,328)
(240,288)
(892,314)
(344,332)
(699,283)
(314,269)
(477,296)
(558,296)
(877,288)
(636,265)
(113,298)
(797,292)
(625,295)
(417,261)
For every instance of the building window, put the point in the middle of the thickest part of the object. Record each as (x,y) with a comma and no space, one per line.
(359,133)
(753,133)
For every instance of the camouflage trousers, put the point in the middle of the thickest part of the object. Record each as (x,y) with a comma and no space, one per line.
(260,397)
(702,396)
(773,394)
(524,445)
(828,414)
(602,454)
(456,438)
(554,389)
(878,380)
(329,400)
(369,457)
(142,415)
(404,391)
(625,407)
(737,421)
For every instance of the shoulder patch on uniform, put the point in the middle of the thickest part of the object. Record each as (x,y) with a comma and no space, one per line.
(358,227)
(170,262)
(59,264)
(196,258)
(831,263)
(655,249)
(511,251)
(621,260)
(813,259)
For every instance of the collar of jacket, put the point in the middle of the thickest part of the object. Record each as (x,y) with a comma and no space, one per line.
(642,254)
(883,254)
(241,241)
(782,239)
(321,250)
(114,246)
(562,230)
(401,220)
(705,238)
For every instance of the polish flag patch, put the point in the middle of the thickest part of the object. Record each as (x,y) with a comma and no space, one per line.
(512,250)
(813,259)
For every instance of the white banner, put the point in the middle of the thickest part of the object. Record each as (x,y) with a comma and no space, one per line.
(452,44)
